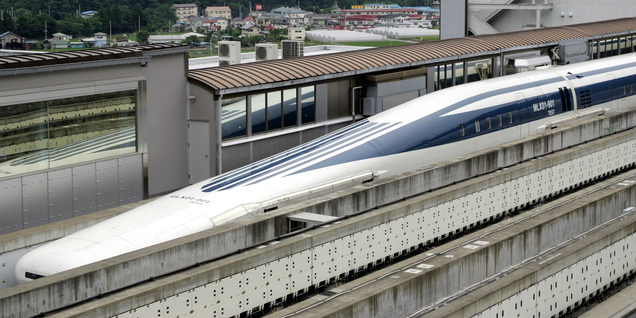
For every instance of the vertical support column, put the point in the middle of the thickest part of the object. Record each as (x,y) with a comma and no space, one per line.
(142,126)
(538,18)
(219,134)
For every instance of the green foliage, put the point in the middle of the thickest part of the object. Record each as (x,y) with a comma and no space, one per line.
(142,37)
(192,40)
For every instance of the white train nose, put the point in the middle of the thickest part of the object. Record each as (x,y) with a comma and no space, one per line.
(53,258)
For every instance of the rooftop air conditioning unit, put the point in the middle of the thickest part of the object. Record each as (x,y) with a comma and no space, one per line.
(266,51)
(229,53)
(292,49)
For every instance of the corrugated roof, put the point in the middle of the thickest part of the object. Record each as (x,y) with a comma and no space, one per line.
(273,71)
(18,61)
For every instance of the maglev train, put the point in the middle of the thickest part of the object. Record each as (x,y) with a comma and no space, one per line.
(438,126)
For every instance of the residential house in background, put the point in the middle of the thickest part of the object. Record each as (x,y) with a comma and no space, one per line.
(296,34)
(11,41)
(294,16)
(185,11)
(269,19)
(237,22)
(59,41)
(319,19)
(250,29)
(88,14)
(223,12)
(216,23)
(99,39)
(196,22)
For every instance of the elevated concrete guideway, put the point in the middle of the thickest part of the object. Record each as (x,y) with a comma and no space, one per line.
(112,278)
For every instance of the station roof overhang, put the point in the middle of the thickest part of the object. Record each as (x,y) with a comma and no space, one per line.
(240,78)
(99,57)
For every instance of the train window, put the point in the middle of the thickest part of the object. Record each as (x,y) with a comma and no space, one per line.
(510,118)
(477,128)
(461,130)
(499,120)
(624,90)
(488,123)
(631,88)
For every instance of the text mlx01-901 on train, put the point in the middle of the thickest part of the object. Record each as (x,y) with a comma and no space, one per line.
(434,127)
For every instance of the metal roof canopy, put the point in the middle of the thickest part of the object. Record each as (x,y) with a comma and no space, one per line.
(273,73)
(92,55)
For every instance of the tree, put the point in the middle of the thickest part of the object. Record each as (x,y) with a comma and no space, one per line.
(7,25)
(191,40)
(142,37)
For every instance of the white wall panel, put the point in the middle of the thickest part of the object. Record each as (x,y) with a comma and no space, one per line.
(278,278)
(231,295)
(301,270)
(35,210)
(84,196)
(11,207)
(107,184)
(205,300)
(60,185)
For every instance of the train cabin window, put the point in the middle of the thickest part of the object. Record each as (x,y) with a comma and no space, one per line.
(510,118)
(499,120)
(489,124)
(477,129)
(461,130)
(631,88)
(624,90)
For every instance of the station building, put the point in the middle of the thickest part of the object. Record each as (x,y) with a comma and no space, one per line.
(89,130)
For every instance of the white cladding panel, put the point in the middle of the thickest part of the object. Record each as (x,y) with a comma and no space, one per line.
(557,293)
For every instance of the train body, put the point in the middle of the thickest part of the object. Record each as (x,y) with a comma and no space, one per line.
(435,127)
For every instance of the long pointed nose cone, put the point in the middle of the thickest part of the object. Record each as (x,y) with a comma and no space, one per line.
(59,256)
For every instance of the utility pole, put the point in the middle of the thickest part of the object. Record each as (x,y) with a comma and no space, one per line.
(110,31)
(139,23)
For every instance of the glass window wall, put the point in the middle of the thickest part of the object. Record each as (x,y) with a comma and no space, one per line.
(269,111)
(290,118)
(259,116)
(308,110)
(61,132)
(479,70)
(274,112)
(233,117)
(459,73)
